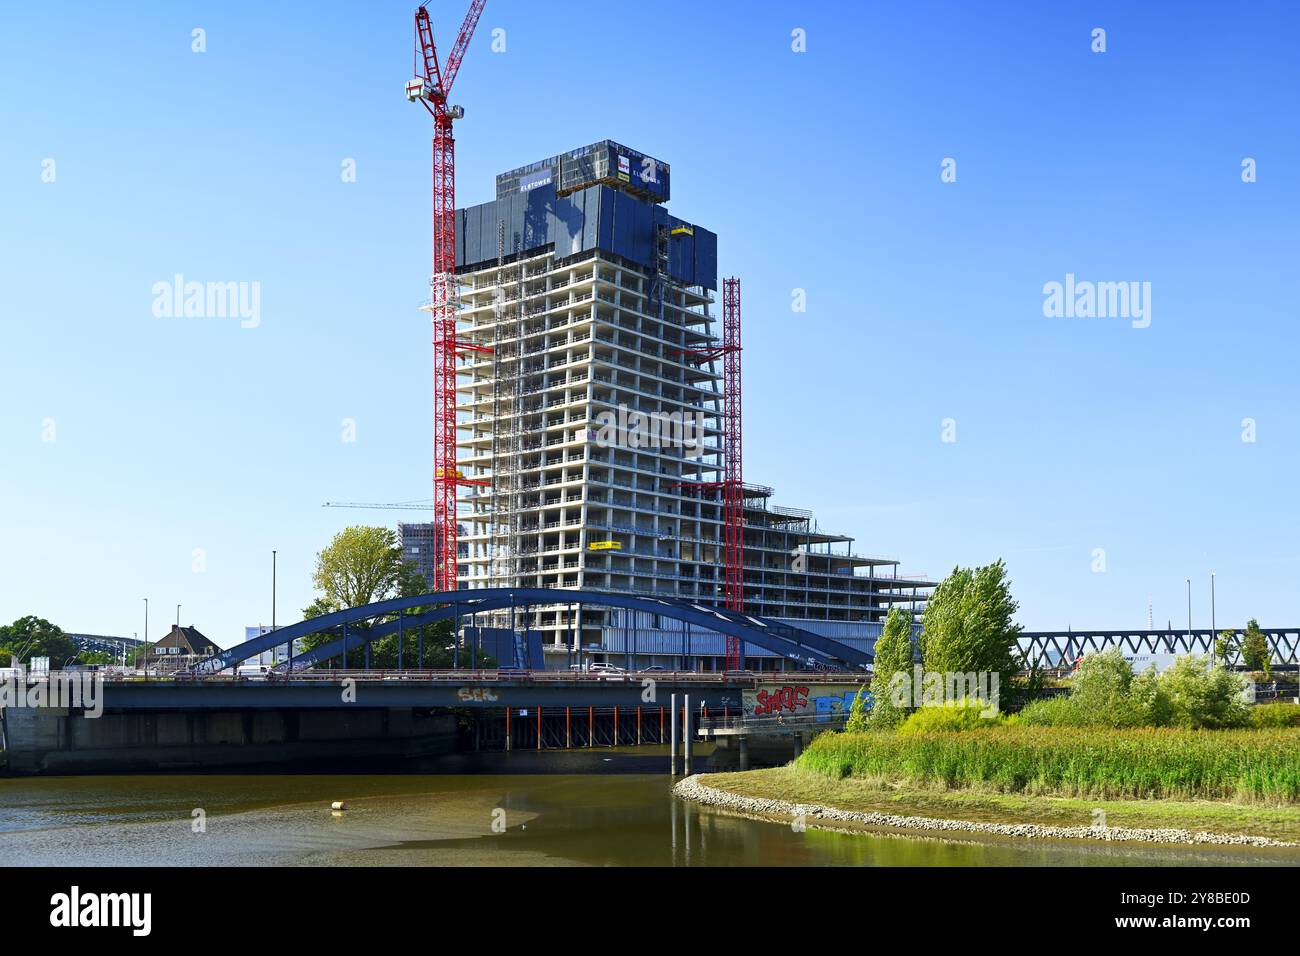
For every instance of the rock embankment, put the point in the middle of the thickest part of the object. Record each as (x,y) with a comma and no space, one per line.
(693,788)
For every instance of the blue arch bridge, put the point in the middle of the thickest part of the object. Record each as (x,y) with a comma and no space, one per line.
(359,627)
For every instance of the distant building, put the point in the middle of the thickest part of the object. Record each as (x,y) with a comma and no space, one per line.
(275,654)
(181,647)
(419,541)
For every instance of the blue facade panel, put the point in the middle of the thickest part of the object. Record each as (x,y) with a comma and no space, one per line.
(598,217)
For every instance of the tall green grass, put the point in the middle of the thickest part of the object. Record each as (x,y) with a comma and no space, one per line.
(1243,765)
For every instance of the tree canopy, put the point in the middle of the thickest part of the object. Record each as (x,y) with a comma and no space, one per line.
(363,564)
(967,624)
(895,652)
(33,636)
(1254,649)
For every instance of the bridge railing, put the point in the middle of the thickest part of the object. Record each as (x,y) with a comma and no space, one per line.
(775,723)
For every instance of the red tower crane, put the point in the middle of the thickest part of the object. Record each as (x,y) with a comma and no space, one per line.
(732,471)
(733,482)
(431,87)
(733,476)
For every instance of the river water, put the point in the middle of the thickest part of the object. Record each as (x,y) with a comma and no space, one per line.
(558,808)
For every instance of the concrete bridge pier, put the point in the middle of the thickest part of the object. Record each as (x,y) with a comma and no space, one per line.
(672,740)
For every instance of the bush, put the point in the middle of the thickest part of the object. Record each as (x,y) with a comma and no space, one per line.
(1102,689)
(1052,712)
(1105,693)
(1204,697)
(941,718)
(1275,715)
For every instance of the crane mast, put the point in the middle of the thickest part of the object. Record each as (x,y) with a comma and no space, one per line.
(431,87)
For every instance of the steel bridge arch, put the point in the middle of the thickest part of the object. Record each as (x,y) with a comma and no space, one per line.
(776,636)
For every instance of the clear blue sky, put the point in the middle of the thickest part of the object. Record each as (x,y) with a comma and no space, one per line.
(818,170)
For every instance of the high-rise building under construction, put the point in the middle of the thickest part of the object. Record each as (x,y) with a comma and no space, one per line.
(590,425)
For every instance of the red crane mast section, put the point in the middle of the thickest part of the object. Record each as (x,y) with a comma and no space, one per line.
(732,484)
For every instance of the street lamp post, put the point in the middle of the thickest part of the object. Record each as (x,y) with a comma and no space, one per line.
(1189,615)
(1213,626)
(146,638)
(273,599)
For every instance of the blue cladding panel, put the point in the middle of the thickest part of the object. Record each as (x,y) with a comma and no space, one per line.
(591,218)
(537,216)
(597,217)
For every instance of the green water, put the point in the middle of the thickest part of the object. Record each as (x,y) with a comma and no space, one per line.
(601,809)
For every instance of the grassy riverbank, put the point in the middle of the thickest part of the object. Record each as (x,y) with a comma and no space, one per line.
(1239,782)
(796,784)
(1242,766)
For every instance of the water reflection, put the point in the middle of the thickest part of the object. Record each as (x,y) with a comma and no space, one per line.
(601,819)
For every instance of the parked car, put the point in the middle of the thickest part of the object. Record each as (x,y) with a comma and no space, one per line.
(607,671)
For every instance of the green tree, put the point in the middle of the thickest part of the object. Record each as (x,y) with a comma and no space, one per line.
(1254,649)
(1223,646)
(967,625)
(895,652)
(361,565)
(857,720)
(33,636)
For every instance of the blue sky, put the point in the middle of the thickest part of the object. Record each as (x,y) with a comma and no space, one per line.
(819,171)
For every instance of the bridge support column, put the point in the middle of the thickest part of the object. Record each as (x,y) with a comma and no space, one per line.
(672,738)
(507,730)
(686,735)
(742,744)
(798,745)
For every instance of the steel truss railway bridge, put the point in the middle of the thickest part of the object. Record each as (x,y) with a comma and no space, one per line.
(1050,649)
